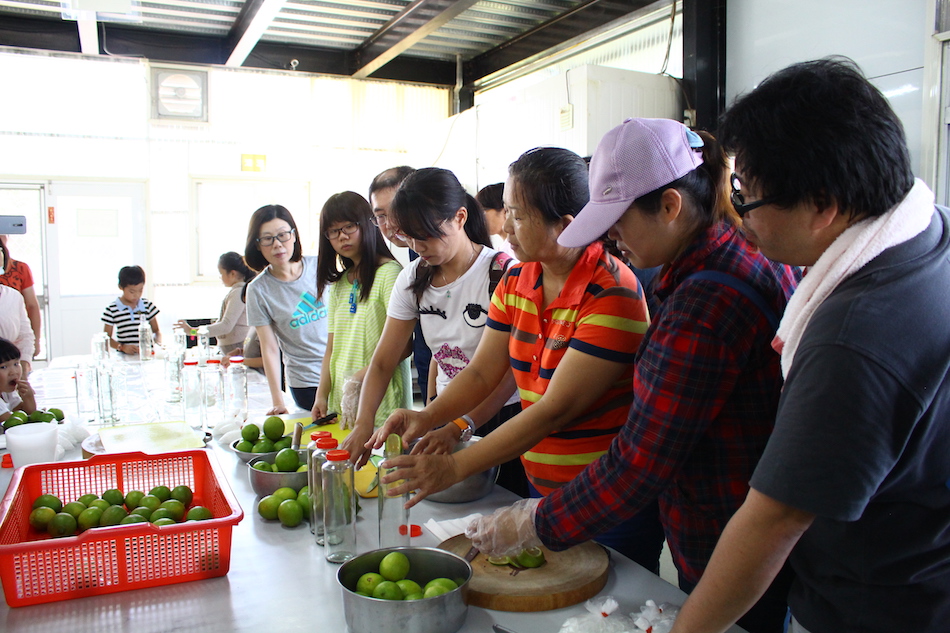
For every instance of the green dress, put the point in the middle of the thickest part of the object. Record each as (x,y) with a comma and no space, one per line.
(356,333)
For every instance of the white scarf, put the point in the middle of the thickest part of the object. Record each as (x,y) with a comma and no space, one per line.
(855,247)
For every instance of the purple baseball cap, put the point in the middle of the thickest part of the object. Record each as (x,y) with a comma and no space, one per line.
(633,159)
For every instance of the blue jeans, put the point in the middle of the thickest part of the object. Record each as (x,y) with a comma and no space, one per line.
(639,538)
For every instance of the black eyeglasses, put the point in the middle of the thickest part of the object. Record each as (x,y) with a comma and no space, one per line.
(379,219)
(346,229)
(283,236)
(738,199)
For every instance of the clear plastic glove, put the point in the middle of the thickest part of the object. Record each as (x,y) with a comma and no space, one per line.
(507,531)
(349,402)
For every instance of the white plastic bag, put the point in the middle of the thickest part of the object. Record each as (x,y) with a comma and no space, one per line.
(600,618)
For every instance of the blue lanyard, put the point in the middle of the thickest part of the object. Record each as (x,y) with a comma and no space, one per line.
(353,291)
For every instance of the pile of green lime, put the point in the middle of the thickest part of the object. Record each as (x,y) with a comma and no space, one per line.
(263,439)
(392,582)
(285,461)
(287,505)
(161,506)
(527,559)
(40,415)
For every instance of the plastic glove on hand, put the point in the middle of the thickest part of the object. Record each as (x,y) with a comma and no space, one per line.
(507,531)
(349,403)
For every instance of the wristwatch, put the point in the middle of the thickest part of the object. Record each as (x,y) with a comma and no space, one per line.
(467,426)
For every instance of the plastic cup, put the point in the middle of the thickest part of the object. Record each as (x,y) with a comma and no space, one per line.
(32,443)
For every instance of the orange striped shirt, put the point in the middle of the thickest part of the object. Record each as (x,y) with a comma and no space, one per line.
(601,311)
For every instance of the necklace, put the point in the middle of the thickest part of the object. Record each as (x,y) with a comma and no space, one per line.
(448,293)
(354,289)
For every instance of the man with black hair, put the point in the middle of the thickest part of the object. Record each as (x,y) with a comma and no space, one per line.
(854,484)
(381,192)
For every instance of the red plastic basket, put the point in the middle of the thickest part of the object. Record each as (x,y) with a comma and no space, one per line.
(35,568)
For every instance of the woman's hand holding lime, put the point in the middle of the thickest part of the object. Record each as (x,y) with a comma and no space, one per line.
(358,446)
(424,474)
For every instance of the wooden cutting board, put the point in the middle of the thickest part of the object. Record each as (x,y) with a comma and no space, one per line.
(567,578)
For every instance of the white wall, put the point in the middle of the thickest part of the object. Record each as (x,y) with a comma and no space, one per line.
(885,37)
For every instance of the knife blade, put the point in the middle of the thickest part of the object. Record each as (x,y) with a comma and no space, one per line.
(497,628)
(471,554)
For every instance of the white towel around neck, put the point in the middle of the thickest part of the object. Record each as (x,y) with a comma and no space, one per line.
(850,252)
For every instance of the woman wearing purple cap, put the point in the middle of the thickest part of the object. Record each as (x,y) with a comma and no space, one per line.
(707,382)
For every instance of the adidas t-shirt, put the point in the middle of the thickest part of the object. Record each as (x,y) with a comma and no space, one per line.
(298,317)
(125,320)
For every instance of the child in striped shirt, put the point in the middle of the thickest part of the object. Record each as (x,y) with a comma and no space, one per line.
(122,316)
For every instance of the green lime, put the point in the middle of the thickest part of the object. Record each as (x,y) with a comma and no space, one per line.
(23,415)
(285,493)
(262,466)
(102,504)
(143,511)
(414,596)
(133,498)
(448,583)
(263,445)
(114,496)
(367,582)
(250,433)
(290,513)
(435,590)
(303,500)
(198,513)
(162,492)
(274,428)
(161,513)
(112,515)
(394,566)
(282,443)
(174,507)
(393,445)
(150,501)
(161,522)
(57,413)
(184,494)
(531,557)
(133,518)
(13,421)
(244,446)
(304,491)
(287,460)
(74,508)
(409,587)
(40,517)
(303,468)
(387,590)
(37,416)
(267,507)
(49,501)
(61,524)
(89,518)
(87,499)
(499,560)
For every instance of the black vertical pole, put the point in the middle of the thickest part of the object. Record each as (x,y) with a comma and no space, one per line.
(704,60)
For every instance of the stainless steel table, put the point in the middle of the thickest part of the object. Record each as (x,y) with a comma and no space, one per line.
(279,581)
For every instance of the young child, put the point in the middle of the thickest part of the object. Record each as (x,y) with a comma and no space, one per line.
(15,390)
(123,314)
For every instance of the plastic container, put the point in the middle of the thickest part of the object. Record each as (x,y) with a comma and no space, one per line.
(393,517)
(316,459)
(191,393)
(35,568)
(235,391)
(339,507)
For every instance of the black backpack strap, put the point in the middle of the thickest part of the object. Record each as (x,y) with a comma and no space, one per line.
(499,265)
(737,284)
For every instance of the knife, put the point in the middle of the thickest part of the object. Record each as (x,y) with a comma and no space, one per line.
(497,628)
(327,419)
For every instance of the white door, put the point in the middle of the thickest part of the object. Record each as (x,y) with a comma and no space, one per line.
(93,230)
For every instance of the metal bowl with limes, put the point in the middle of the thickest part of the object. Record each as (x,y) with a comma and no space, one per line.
(443,613)
(265,483)
(248,455)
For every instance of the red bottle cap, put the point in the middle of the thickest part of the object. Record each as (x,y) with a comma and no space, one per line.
(338,455)
(6,461)
(414,530)
(328,442)
(316,435)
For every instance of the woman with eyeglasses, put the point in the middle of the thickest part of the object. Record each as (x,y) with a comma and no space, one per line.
(448,290)
(706,382)
(290,320)
(359,272)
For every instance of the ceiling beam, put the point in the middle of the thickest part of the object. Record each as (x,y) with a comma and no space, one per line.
(581,19)
(704,61)
(253,20)
(410,26)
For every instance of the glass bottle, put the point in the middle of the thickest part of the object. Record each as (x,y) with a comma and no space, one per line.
(315,478)
(204,345)
(145,339)
(212,394)
(393,517)
(174,361)
(100,347)
(191,393)
(235,390)
(181,339)
(339,505)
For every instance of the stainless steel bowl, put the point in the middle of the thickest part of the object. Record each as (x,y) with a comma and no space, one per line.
(265,483)
(246,456)
(440,614)
(471,488)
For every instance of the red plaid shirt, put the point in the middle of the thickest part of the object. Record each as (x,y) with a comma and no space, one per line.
(706,389)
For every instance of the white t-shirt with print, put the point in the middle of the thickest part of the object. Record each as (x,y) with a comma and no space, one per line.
(9,401)
(453,317)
